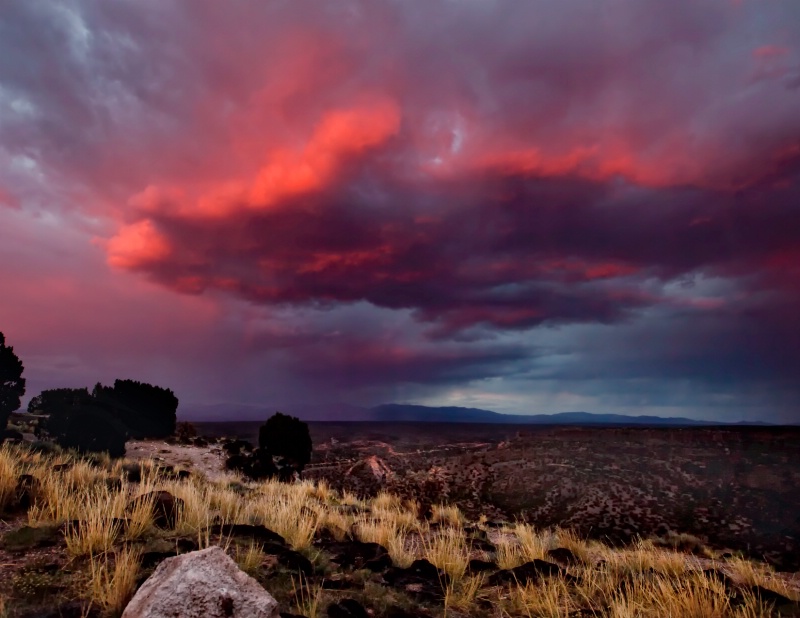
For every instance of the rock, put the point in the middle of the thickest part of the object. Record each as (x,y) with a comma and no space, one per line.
(290,559)
(481,545)
(165,508)
(722,577)
(784,605)
(563,555)
(357,554)
(258,533)
(425,569)
(528,572)
(339,582)
(379,564)
(495,523)
(152,558)
(347,608)
(132,472)
(202,584)
(481,566)
(186,545)
(295,561)
(421,579)
(28,537)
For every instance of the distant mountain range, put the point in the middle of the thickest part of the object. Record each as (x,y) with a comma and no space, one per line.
(405,413)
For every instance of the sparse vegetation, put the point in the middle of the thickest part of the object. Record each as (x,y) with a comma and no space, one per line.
(90,517)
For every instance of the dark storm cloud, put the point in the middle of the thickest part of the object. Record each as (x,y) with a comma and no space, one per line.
(489,170)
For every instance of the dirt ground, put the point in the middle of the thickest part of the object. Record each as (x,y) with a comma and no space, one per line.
(209,460)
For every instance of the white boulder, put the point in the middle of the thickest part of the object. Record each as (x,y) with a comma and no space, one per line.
(201,584)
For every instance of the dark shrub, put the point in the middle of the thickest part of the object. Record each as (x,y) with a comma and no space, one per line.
(56,401)
(288,439)
(90,429)
(147,411)
(12,384)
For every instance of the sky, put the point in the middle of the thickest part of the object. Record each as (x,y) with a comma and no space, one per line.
(529,207)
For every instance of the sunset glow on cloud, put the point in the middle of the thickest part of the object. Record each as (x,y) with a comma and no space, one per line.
(547,205)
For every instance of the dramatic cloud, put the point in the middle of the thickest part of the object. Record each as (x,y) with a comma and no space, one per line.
(372,201)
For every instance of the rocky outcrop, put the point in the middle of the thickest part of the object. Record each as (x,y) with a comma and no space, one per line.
(201,584)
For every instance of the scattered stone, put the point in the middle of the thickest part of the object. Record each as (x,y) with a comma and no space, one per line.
(290,559)
(339,582)
(482,545)
(357,554)
(379,564)
(258,533)
(481,566)
(132,472)
(295,561)
(152,558)
(781,602)
(28,537)
(494,523)
(528,572)
(347,608)
(186,545)
(202,584)
(422,579)
(563,555)
(722,577)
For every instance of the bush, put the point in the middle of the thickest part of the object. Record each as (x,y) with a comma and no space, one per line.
(287,438)
(89,429)
(147,411)
(12,384)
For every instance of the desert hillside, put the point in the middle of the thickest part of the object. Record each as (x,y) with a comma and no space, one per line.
(81,535)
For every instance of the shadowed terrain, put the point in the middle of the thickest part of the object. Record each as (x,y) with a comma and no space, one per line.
(734,487)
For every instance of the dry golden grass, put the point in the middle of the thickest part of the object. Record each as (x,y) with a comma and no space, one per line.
(447,550)
(509,552)
(286,511)
(642,580)
(94,534)
(113,582)
(572,541)
(249,558)
(336,521)
(9,472)
(462,595)
(308,598)
(550,598)
(533,544)
(447,514)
